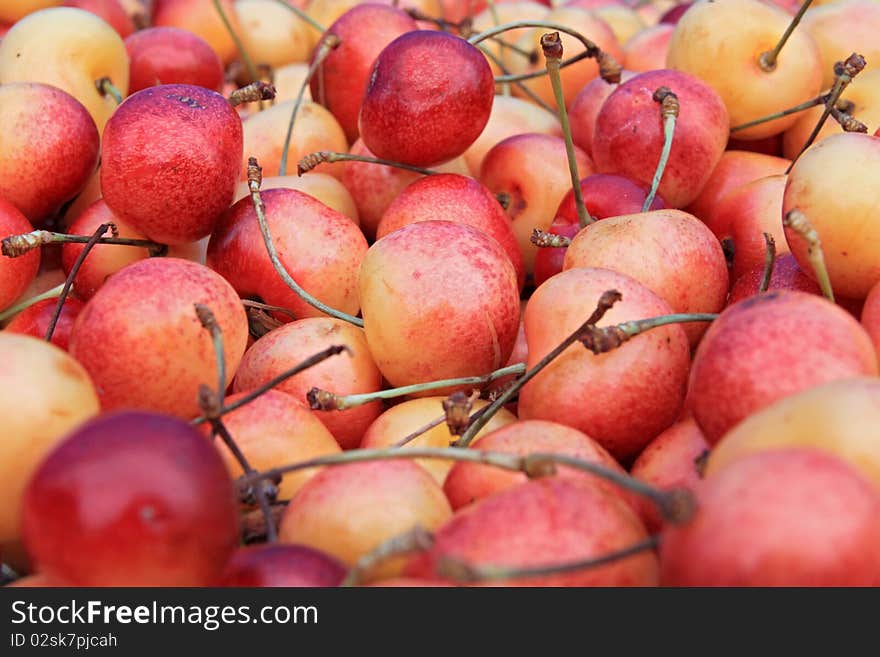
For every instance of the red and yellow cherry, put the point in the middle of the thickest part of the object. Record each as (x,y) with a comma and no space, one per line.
(623,398)
(160,354)
(439,300)
(768,347)
(170,159)
(170,55)
(44,394)
(282,565)
(345,374)
(759,522)
(16,274)
(628,135)
(173,517)
(428,98)
(44,164)
(540,523)
(453,197)
(320,248)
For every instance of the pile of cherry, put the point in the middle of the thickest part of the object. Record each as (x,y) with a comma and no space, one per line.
(581,295)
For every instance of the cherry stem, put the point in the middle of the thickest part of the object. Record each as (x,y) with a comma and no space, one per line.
(797,221)
(211,403)
(315,25)
(677,504)
(312,160)
(17,245)
(459,571)
(209,323)
(601,340)
(254,92)
(551,44)
(406,440)
(769,261)
(311,361)
(669,109)
(12,311)
(254,526)
(248,303)
(496,20)
(544,240)
(818,100)
(609,69)
(242,51)
(445,25)
(260,322)
(255,179)
(767,60)
(80,259)
(322,400)
(847,122)
(844,72)
(519,85)
(328,43)
(418,539)
(606,301)
(106,87)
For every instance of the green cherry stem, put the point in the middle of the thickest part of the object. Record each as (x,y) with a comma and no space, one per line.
(798,222)
(322,400)
(551,44)
(604,339)
(53,293)
(242,51)
(328,43)
(106,88)
(255,179)
(315,25)
(669,110)
(767,60)
(818,100)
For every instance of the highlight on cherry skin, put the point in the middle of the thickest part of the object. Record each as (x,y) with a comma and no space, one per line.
(439,294)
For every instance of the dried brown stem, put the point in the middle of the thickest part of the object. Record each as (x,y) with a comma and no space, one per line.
(254,92)
(544,240)
(68,283)
(417,539)
(605,302)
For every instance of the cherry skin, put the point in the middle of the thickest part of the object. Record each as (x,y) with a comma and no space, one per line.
(15,273)
(363,32)
(169,55)
(34,320)
(171,520)
(170,160)
(428,98)
(761,522)
(605,195)
(282,565)
(628,135)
